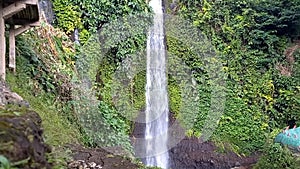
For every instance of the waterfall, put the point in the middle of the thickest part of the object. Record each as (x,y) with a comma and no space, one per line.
(157,110)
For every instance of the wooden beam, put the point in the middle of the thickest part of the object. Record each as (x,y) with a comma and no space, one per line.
(12,42)
(16,7)
(12,9)
(25,27)
(30,2)
(12,49)
(2,45)
(21,29)
(38,23)
(18,21)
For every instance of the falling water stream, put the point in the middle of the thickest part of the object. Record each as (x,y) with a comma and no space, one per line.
(156,134)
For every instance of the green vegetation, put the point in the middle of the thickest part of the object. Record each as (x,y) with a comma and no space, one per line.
(97,61)
(254,40)
(277,157)
(85,94)
(43,85)
(58,130)
(90,16)
(55,88)
(5,163)
(251,37)
(42,80)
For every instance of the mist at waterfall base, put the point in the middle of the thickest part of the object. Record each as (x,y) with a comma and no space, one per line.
(157,110)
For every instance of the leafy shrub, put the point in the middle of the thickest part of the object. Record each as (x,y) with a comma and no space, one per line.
(89,16)
(101,124)
(277,157)
(251,38)
(5,163)
(51,65)
(67,15)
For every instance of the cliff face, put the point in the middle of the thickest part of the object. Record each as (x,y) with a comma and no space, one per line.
(45,7)
(21,140)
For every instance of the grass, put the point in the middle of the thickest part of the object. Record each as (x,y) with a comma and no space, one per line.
(58,131)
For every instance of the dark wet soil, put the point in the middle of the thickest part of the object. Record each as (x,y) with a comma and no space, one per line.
(192,154)
(188,154)
(100,157)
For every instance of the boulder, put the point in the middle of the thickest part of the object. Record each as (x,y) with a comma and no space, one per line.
(21,136)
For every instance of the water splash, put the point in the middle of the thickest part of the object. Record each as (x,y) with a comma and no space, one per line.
(157,110)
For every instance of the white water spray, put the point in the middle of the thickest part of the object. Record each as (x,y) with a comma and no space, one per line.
(157,110)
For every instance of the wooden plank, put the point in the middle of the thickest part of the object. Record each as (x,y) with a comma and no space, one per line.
(12,9)
(2,46)
(21,29)
(25,27)
(38,23)
(30,2)
(12,49)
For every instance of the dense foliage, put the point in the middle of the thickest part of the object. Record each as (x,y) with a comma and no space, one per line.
(263,80)
(249,44)
(98,57)
(89,16)
(250,38)
(276,156)
(42,78)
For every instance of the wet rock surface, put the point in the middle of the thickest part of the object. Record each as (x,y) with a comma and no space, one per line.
(95,158)
(21,139)
(190,153)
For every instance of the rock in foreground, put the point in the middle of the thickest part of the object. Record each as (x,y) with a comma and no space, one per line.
(21,138)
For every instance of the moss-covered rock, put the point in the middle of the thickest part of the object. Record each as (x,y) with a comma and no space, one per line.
(8,97)
(21,138)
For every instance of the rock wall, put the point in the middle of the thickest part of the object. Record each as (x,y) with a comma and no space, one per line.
(46,9)
(21,139)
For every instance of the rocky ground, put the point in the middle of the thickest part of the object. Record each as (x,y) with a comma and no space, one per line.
(191,153)
(95,158)
(188,154)
(21,140)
